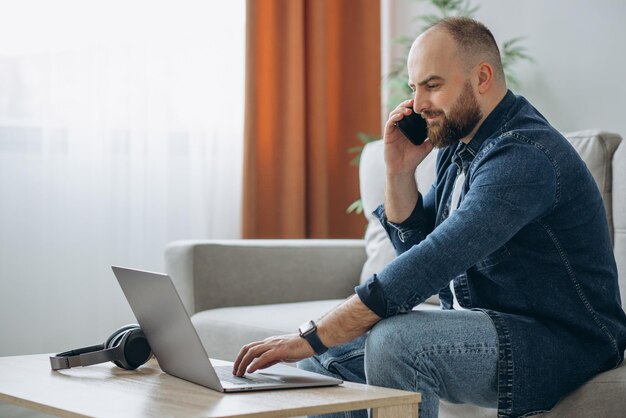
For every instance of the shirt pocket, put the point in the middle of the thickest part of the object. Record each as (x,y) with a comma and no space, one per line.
(493,259)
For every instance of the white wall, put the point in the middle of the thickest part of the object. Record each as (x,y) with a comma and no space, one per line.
(578,77)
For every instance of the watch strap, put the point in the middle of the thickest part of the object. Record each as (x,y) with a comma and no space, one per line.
(314,340)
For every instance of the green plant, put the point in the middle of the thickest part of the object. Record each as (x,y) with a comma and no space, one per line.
(396,81)
(357,205)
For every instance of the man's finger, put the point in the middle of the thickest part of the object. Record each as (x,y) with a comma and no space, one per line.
(264,361)
(401,109)
(244,350)
(390,126)
(252,353)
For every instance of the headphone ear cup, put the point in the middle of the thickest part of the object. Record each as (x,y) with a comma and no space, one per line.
(134,346)
(117,334)
(136,349)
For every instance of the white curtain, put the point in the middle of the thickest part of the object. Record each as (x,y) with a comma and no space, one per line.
(121,126)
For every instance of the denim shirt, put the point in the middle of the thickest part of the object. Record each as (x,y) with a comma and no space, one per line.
(529,245)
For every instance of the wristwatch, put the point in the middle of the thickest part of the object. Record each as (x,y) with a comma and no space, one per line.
(308,331)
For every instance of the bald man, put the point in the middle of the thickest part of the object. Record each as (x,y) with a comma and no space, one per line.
(512,236)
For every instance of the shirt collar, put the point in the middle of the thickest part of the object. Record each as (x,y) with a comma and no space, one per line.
(465,153)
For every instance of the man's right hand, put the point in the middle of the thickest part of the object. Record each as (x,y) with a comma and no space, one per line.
(401,156)
(401,159)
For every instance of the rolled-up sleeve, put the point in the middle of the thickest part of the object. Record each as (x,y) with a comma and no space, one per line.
(403,236)
(412,230)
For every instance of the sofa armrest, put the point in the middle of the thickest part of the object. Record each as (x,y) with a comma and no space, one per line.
(211,274)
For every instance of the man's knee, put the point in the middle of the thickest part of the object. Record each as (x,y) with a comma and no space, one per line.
(383,354)
(379,343)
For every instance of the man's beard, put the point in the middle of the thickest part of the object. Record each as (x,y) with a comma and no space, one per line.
(463,117)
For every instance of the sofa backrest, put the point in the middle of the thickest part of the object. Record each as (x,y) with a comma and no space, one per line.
(599,150)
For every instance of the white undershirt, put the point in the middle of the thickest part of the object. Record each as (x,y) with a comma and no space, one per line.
(454,203)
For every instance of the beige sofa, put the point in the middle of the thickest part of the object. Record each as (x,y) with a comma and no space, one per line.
(245,290)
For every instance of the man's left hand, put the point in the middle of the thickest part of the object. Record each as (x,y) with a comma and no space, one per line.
(270,351)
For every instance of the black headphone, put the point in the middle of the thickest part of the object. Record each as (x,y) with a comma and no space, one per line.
(127,347)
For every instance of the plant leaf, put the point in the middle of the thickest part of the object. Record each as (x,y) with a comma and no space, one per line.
(356,207)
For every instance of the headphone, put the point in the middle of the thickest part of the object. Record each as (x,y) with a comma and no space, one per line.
(127,347)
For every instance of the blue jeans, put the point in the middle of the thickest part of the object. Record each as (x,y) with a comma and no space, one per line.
(449,355)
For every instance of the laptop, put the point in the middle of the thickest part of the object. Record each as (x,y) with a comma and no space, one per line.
(177,347)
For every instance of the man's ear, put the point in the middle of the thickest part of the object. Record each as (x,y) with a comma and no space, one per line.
(485,77)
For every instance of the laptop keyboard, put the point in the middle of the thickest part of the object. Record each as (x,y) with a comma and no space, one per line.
(225,374)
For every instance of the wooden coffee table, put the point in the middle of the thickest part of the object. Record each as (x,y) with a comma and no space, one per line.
(106,390)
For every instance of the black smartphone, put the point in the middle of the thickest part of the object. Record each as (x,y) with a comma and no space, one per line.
(414,127)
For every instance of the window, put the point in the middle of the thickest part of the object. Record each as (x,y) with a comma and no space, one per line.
(121,129)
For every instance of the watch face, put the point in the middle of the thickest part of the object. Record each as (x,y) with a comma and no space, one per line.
(307,328)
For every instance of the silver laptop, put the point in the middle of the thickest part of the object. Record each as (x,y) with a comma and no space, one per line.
(177,347)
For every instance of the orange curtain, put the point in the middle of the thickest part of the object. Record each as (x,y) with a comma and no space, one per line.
(312,83)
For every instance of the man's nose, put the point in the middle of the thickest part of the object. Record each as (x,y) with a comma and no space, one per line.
(419,102)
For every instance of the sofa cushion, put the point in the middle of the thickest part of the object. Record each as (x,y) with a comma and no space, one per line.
(603,395)
(597,148)
(224,331)
(619,216)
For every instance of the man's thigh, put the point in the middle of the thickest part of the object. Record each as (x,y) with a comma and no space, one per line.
(450,354)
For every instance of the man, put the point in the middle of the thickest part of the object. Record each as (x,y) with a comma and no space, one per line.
(512,235)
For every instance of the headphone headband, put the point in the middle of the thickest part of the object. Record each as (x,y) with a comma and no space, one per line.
(85,356)
(127,347)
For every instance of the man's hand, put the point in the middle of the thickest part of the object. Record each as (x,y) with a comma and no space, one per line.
(270,351)
(401,159)
(402,156)
(344,323)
